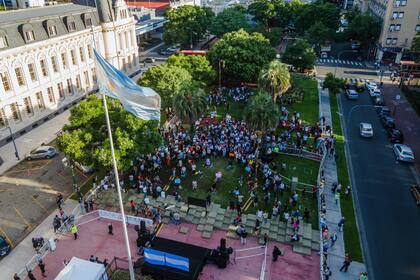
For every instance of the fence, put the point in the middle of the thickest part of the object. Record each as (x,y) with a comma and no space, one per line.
(264,265)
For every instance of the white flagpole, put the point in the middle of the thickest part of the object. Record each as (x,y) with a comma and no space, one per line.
(117,181)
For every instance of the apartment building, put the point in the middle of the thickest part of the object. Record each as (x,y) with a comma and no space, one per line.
(46,57)
(400,23)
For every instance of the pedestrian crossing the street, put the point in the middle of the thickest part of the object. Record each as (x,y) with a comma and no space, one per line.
(340,62)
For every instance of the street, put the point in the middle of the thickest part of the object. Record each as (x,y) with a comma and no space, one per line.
(387,215)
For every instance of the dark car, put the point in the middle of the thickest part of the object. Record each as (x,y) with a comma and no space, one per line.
(4,247)
(383,111)
(387,122)
(395,135)
(378,101)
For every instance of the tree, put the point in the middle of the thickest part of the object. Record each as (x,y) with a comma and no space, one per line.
(261,113)
(364,28)
(85,138)
(187,24)
(230,19)
(319,33)
(328,14)
(415,45)
(264,11)
(243,54)
(198,66)
(275,79)
(300,55)
(190,102)
(166,80)
(333,84)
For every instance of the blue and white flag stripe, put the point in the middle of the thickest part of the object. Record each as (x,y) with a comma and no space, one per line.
(143,102)
(154,257)
(177,262)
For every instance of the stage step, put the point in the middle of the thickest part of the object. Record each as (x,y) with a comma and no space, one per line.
(207,234)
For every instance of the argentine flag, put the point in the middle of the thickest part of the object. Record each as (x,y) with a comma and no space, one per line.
(143,102)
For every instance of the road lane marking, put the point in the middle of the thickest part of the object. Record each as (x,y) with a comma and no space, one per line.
(39,204)
(23,218)
(13,224)
(7,237)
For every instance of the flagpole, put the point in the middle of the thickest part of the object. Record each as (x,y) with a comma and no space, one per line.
(117,181)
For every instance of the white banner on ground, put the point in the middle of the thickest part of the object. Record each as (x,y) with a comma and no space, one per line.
(132,220)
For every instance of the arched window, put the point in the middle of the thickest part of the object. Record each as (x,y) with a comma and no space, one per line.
(51,27)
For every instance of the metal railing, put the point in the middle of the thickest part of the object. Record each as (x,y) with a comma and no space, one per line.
(264,264)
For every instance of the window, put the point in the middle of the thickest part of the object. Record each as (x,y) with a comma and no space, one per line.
(28,105)
(94,74)
(52,30)
(82,54)
(15,111)
(401,15)
(73,57)
(71,26)
(60,90)
(388,41)
(64,60)
(44,67)
(70,86)
(29,36)
(19,76)
(40,100)
(88,22)
(397,27)
(6,81)
(78,82)
(32,72)
(3,42)
(391,27)
(394,41)
(51,97)
(395,15)
(90,52)
(129,61)
(2,118)
(403,2)
(124,65)
(54,64)
(418,27)
(87,82)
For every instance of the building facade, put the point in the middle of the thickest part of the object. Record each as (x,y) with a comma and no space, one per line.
(46,57)
(400,23)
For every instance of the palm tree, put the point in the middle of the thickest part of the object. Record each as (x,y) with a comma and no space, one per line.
(275,78)
(190,101)
(262,113)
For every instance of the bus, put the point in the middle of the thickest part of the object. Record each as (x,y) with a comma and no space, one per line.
(192,52)
(408,68)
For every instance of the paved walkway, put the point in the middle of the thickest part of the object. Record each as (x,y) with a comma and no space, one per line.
(337,252)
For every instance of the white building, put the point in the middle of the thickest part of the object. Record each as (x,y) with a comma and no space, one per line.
(46,58)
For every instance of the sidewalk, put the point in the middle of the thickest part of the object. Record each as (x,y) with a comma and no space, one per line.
(23,252)
(337,252)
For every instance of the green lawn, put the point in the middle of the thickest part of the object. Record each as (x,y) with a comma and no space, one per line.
(89,183)
(351,232)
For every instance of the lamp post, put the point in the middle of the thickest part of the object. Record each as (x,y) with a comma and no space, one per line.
(10,131)
(221,64)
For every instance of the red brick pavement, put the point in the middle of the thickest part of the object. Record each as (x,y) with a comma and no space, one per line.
(406,119)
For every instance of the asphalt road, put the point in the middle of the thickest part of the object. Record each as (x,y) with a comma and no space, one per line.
(389,220)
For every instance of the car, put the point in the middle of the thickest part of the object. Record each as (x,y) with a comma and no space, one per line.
(355,45)
(375,92)
(352,94)
(403,153)
(173,48)
(5,247)
(415,191)
(149,60)
(378,101)
(366,130)
(371,85)
(360,86)
(383,111)
(43,152)
(324,55)
(387,122)
(165,52)
(395,136)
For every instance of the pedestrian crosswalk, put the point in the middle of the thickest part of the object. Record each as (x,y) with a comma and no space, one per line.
(339,62)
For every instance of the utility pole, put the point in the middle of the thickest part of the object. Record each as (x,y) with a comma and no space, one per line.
(10,131)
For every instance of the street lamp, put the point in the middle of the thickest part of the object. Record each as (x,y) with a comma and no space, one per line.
(70,163)
(221,65)
(10,130)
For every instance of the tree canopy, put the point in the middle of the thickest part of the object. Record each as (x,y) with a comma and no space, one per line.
(190,102)
(333,84)
(328,14)
(230,19)
(85,138)
(263,11)
(261,113)
(198,66)
(187,24)
(415,45)
(319,33)
(166,80)
(275,78)
(365,28)
(299,54)
(243,53)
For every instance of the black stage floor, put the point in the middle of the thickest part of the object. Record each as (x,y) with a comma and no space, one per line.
(196,255)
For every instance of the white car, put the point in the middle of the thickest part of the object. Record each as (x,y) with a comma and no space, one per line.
(371,85)
(403,153)
(366,130)
(375,92)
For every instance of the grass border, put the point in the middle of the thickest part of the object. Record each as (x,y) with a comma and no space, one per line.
(351,231)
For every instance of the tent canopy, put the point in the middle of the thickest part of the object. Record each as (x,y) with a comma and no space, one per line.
(78,269)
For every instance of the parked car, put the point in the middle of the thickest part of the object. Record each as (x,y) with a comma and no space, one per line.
(149,60)
(403,153)
(173,48)
(42,152)
(366,130)
(5,247)
(378,101)
(415,191)
(165,52)
(370,85)
(383,111)
(375,92)
(352,94)
(387,122)
(355,45)
(360,86)
(395,136)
